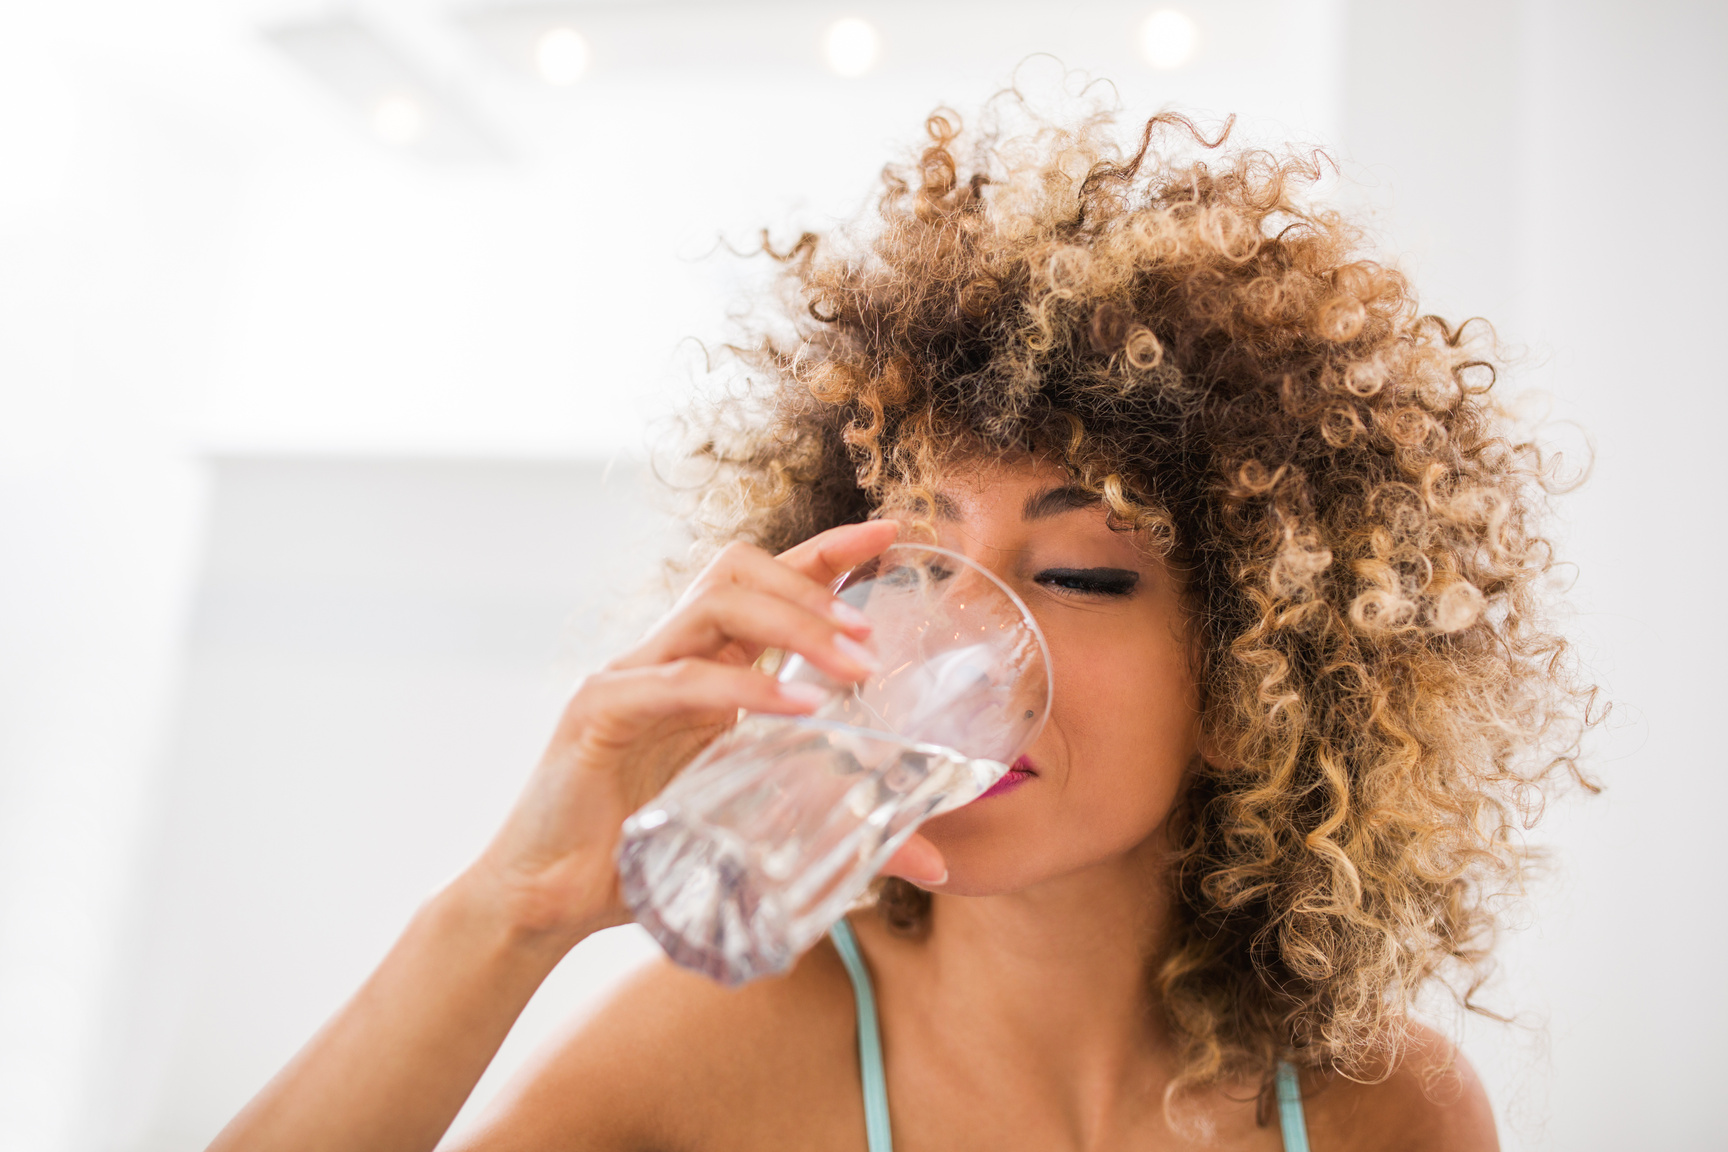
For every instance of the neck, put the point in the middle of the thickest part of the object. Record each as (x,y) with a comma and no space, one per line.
(1053,979)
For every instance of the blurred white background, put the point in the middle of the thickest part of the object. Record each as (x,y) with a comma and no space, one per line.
(329,340)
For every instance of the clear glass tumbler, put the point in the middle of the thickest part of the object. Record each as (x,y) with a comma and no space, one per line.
(754,850)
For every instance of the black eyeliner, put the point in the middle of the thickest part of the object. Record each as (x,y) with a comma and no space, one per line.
(1103,581)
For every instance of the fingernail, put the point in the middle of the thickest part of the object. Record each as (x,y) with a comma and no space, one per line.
(802,694)
(848,615)
(856,653)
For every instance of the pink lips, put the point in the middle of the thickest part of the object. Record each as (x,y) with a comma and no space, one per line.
(1020,772)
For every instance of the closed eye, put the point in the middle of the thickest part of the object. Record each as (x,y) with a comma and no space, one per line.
(1090,581)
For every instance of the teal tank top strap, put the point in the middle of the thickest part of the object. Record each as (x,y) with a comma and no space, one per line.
(876,1132)
(1292,1124)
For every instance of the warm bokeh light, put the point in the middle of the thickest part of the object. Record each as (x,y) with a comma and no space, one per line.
(1168,38)
(398,119)
(850,46)
(561,56)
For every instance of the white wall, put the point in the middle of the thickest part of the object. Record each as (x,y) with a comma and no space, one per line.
(378,651)
(1553,165)
(114,246)
(246,354)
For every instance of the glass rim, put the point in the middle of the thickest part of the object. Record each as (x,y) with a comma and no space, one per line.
(1037,729)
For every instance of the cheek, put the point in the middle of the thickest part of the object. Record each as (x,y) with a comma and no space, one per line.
(1127,723)
(1121,735)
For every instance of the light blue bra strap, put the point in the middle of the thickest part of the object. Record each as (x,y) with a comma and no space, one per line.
(1291,1122)
(870,1041)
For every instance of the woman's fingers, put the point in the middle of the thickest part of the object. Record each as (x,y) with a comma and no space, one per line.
(728,605)
(827,554)
(919,861)
(755,620)
(751,567)
(615,707)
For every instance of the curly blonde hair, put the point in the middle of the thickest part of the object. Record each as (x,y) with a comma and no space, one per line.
(1355,520)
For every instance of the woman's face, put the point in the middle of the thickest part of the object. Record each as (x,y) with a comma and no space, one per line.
(1104,773)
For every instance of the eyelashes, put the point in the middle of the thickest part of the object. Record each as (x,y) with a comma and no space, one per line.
(1090,581)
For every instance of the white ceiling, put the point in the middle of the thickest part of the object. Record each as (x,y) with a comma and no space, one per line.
(339,294)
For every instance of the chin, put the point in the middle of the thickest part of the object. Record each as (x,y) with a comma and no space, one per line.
(1011,843)
(988,854)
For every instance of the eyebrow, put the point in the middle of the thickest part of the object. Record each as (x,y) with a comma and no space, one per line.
(1038,506)
(1055,501)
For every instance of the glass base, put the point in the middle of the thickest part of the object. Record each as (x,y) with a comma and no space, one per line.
(765,841)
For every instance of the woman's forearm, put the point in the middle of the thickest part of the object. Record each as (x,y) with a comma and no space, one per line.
(390,1071)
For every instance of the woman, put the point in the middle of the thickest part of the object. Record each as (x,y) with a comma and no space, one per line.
(1283,549)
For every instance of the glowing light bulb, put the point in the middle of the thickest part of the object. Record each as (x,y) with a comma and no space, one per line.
(850,47)
(561,55)
(398,119)
(1168,38)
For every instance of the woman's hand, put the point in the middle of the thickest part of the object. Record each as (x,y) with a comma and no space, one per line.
(630,727)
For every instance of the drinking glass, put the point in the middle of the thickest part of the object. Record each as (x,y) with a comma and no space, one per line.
(756,849)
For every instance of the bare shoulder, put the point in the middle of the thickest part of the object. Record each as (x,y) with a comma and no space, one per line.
(1431,1102)
(674,1061)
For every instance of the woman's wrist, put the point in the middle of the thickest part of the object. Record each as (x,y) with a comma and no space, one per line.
(519,917)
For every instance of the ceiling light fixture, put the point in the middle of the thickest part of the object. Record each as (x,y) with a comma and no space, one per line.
(561,56)
(1168,38)
(850,47)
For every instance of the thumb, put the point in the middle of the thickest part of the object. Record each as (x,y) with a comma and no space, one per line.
(919,861)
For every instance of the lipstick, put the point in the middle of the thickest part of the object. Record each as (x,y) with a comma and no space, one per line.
(1018,773)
